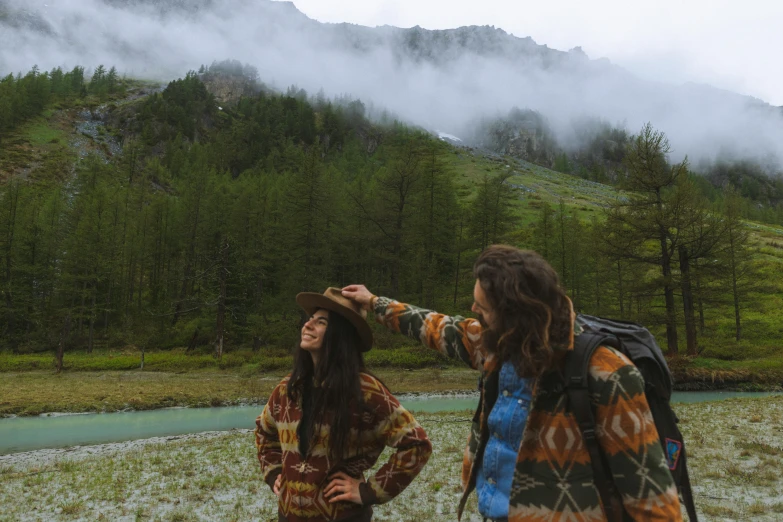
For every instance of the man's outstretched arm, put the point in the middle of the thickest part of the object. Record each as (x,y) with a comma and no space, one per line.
(453,336)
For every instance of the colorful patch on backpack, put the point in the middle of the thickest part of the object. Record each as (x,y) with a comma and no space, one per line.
(673,450)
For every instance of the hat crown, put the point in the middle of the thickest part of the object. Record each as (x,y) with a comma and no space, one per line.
(336,295)
(334,301)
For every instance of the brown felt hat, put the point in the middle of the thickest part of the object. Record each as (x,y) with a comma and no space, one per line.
(334,301)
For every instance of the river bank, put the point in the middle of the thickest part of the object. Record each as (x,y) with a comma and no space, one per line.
(35,393)
(735,454)
(28,393)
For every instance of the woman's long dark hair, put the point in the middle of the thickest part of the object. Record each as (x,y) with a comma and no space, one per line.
(532,311)
(339,391)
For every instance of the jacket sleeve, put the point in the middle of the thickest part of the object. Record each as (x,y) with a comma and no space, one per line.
(453,336)
(397,428)
(270,454)
(628,437)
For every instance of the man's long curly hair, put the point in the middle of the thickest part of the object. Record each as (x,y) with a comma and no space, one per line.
(532,314)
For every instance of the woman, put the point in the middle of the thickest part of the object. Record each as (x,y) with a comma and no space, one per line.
(328,421)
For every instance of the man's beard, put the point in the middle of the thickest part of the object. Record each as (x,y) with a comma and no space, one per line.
(491,342)
(490,338)
(482,321)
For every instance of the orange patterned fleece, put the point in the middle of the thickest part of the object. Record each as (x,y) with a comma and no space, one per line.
(383,422)
(553,481)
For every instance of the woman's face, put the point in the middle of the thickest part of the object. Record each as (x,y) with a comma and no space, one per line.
(314,330)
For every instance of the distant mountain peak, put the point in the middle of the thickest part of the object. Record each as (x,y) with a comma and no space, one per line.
(578,52)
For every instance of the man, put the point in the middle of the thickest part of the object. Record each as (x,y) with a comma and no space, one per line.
(525,456)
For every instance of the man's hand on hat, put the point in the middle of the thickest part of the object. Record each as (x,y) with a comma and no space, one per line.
(361,295)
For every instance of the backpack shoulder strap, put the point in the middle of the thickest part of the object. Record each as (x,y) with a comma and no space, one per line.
(576,377)
(687,491)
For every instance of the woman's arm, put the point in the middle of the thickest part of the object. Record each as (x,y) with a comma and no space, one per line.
(270,454)
(397,428)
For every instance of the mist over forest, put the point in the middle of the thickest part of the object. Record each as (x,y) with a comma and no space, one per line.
(446,80)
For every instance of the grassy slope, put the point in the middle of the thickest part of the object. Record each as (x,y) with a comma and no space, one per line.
(35,142)
(535,184)
(53,137)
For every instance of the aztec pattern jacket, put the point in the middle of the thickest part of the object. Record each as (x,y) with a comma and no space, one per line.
(381,422)
(553,480)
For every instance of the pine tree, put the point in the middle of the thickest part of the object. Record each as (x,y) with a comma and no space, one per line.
(491,216)
(434,210)
(112,80)
(736,254)
(305,237)
(392,204)
(98,83)
(699,234)
(649,214)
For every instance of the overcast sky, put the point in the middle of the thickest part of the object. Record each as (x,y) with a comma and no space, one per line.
(730,44)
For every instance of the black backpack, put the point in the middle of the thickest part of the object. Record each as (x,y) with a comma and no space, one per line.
(639,345)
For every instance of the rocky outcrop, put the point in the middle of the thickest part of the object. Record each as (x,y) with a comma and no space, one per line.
(227,90)
(523,134)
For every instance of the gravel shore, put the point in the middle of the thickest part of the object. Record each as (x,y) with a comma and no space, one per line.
(735,447)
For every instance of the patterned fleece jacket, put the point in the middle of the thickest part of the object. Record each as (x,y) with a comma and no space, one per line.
(382,422)
(553,480)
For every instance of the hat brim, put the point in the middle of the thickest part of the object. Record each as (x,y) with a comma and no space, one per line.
(311,301)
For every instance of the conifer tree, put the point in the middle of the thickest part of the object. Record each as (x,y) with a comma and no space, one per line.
(649,214)
(736,254)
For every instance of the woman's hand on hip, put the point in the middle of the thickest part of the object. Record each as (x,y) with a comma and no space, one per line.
(343,488)
(278,484)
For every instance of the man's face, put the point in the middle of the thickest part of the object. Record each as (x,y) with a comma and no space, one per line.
(481,307)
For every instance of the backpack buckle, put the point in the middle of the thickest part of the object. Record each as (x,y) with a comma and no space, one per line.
(588,434)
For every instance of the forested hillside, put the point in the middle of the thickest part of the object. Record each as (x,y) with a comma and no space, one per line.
(443,80)
(598,149)
(162,218)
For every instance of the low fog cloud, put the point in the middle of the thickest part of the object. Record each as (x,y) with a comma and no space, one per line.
(144,40)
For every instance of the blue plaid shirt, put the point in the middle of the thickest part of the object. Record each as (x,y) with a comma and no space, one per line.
(506,424)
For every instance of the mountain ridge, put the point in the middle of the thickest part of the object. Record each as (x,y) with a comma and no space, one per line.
(469,38)
(445,79)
